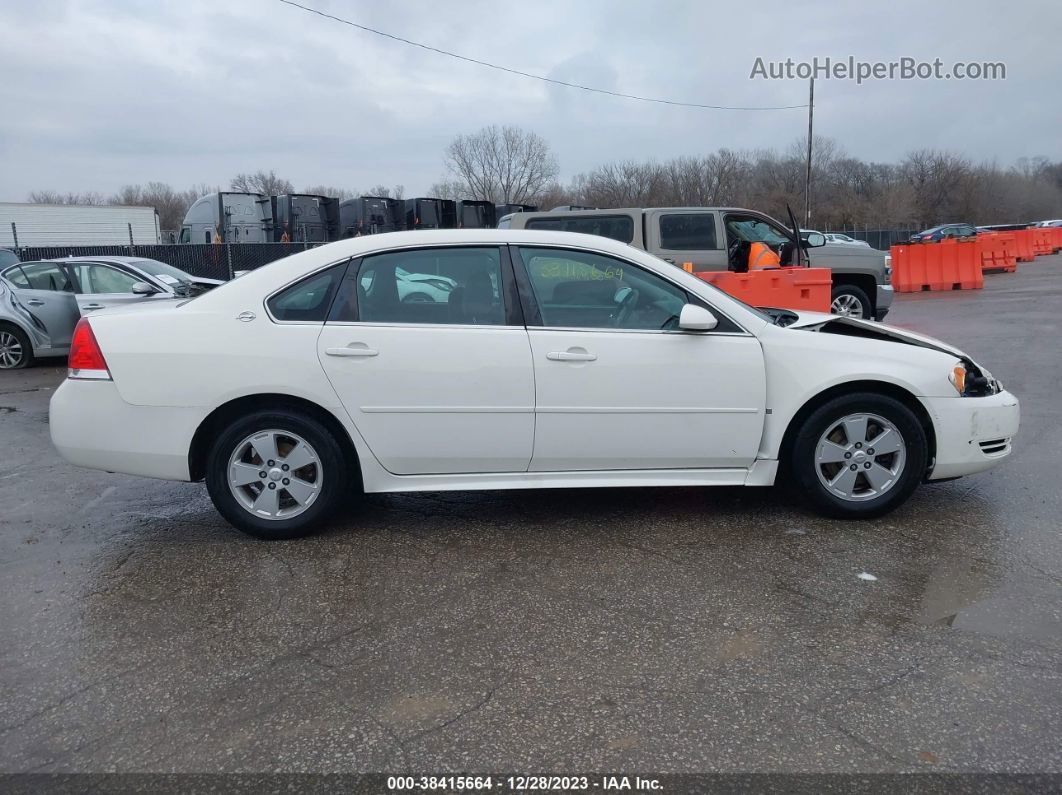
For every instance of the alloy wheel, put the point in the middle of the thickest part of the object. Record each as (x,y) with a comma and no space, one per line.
(860,457)
(275,474)
(847,305)
(11,352)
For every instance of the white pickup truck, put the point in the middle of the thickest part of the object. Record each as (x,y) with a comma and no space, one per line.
(717,239)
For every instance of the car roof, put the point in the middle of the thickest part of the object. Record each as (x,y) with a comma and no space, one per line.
(119,258)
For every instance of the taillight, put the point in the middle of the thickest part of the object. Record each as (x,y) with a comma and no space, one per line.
(86,359)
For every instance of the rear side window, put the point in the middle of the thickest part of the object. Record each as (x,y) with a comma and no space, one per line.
(447,286)
(307,301)
(39,276)
(688,232)
(617,227)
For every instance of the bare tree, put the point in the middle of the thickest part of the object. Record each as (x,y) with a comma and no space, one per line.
(448,189)
(384,192)
(262,182)
(55,197)
(502,164)
(170,204)
(328,190)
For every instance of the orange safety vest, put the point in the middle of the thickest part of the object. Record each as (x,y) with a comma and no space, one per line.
(763,257)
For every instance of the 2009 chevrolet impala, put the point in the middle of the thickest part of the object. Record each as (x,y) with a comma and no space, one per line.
(498,359)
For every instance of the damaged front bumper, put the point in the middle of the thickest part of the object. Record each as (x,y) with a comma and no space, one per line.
(972,433)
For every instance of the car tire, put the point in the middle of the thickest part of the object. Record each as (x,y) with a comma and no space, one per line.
(245,445)
(827,450)
(848,300)
(16,350)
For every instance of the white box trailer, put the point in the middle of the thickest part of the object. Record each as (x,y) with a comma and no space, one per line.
(76,225)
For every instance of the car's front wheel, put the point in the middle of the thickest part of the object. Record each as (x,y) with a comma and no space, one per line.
(276,474)
(859,455)
(848,300)
(16,351)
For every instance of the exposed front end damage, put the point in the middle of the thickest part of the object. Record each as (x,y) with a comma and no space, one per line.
(973,381)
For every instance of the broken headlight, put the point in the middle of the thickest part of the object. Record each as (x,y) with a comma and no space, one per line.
(971,380)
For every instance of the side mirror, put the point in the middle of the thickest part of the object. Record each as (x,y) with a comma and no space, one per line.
(143,288)
(696,318)
(815,240)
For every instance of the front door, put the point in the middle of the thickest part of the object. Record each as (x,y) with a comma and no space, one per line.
(101,285)
(618,387)
(427,353)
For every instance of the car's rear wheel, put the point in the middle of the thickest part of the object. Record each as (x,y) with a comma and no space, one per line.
(859,455)
(276,474)
(16,351)
(848,300)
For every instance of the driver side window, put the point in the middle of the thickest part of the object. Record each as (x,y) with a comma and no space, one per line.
(579,289)
(97,279)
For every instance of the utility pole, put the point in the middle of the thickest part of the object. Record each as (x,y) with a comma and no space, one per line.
(807,178)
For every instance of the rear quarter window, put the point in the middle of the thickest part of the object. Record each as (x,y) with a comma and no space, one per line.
(309,300)
(616,227)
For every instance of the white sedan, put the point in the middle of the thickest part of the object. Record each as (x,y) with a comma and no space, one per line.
(557,360)
(837,237)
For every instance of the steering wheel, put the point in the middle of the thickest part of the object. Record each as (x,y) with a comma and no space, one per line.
(626,306)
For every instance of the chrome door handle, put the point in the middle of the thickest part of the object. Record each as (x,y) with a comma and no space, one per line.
(668,259)
(351,351)
(35,302)
(571,356)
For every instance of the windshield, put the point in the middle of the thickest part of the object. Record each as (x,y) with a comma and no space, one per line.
(756,231)
(161,271)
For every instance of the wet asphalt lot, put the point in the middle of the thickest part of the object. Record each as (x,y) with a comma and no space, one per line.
(672,630)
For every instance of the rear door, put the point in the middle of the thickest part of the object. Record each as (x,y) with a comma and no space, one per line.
(46,291)
(681,236)
(427,350)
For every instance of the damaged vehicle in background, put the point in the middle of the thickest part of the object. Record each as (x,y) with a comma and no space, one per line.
(41,301)
(556,360)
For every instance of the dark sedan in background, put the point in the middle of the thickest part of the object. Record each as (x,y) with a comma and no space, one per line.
(944,231)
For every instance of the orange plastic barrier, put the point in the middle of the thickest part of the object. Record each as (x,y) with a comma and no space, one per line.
(1056,237)
(1041,243)
(785,288)
(1053,237)
(997,251)
(1044,241)
(947,265)
(1023,243)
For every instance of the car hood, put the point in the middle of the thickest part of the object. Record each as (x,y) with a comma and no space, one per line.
(818,321)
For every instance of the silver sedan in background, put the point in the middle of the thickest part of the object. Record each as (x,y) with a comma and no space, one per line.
(41,301)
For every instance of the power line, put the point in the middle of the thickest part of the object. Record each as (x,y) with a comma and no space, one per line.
(528,74)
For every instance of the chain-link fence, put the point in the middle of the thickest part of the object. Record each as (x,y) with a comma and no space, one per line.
(207,260)
(880,239)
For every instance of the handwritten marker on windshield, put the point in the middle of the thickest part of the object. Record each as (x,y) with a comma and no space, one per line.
(866,576)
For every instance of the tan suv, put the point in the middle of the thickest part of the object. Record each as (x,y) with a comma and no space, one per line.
(717,238)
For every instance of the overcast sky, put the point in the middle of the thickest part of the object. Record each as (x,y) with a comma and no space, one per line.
(99,94)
